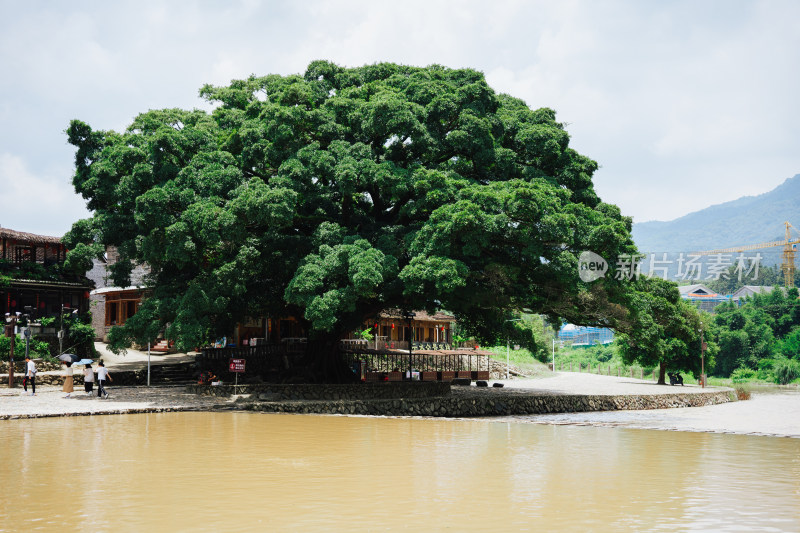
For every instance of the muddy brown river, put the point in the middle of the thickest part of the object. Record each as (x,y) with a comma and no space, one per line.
(261,472)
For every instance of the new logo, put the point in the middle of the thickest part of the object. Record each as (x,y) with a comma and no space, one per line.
(591,266)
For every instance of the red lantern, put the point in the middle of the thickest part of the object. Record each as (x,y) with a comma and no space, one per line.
(392,326)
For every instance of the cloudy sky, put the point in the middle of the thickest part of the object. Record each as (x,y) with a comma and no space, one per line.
(683,104)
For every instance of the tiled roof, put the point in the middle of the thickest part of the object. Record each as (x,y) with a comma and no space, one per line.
(421,316)
(28,237)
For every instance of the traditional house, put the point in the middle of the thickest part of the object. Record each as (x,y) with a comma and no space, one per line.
(747,291)
(704,298)
(388,326)
(113,306)
(32,277)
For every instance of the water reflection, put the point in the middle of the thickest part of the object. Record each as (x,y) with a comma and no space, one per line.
(254,472)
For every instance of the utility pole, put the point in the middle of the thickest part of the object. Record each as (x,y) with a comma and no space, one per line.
(10,333)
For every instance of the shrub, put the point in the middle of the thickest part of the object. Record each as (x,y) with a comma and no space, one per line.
(743,374)
(786,371)
(764,372)
(36,349)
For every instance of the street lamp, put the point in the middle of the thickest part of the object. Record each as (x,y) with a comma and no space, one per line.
(10,332)
(61,331)
(508,346)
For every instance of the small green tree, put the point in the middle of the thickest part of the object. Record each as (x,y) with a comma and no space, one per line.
(665,331)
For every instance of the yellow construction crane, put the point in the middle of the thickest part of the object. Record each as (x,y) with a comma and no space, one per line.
(789,253)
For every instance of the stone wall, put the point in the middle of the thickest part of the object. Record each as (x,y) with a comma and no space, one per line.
(357,391)
(490,403)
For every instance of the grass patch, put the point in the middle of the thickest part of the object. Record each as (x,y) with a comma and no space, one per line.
(522,359)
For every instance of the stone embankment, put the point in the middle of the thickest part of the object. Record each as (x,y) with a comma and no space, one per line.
(439,400)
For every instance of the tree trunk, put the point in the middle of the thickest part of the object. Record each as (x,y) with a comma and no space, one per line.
(324,362)
(662,372)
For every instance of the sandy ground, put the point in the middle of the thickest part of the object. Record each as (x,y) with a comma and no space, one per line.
(774,414)
(576,383)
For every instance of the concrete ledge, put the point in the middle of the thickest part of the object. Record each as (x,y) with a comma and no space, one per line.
(479,405)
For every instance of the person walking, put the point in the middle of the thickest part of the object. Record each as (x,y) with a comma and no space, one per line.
(102,375)
(30,376)
(88,379)
(69,380)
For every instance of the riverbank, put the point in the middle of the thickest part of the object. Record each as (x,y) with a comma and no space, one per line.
(561,392)
(772,412)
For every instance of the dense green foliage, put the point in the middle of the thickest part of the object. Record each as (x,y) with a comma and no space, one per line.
(32,270)
(335,194)
(762,336)
(36,348)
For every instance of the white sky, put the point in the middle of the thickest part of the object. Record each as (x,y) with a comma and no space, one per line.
(683,104)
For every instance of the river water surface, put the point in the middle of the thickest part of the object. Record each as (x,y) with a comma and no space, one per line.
(262,472)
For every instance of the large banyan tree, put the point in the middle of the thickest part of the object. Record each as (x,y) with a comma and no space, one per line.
(336,194)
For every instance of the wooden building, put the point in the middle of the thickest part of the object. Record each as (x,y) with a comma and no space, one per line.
(34,279)
(388,326)
(391,325)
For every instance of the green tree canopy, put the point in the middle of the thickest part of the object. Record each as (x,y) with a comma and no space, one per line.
(666,330)
(335,194)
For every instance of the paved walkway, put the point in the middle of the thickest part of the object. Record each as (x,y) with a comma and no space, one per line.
(577,383)
(50,401)
(135,359)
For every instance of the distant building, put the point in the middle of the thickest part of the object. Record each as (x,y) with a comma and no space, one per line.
(37,281)
(113,306)
(704,298)
(747,291)
(585,335)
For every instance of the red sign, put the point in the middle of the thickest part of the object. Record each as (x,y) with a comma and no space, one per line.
(236,365)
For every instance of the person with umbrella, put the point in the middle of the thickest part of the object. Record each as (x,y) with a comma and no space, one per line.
(68,379)
(88,376)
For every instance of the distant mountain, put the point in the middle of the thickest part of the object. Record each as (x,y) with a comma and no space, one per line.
(748,220)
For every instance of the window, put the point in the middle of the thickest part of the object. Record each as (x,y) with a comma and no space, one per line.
(131,309)
(23,253)
(111,314)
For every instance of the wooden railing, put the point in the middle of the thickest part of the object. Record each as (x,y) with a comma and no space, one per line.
(260,359)
(378,362)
